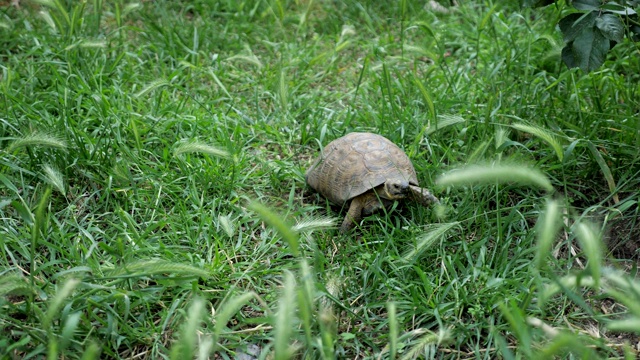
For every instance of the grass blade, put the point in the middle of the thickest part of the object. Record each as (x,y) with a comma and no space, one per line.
(248,57)
(152,267)
(547,227)
(495,174)
(315,223)
(543,134)
(630,325)
(276,221)
(151,86)
(227,225)
(393,330)
(425,241)
(38,139)
(306,306)
(14,284)
(54,177)
(591,245)
(92,352)
(56,303)
(283,91)
(70,326)
(606,171)
(624,289)
(184,348)
(424,344)
(284,319)
(38,229)
(428,100)
(200,147)
(442,122)
(228,309)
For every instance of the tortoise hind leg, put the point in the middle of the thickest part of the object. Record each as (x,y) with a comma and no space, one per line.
(423,196)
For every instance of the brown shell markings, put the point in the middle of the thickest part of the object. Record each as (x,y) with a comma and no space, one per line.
(356,163)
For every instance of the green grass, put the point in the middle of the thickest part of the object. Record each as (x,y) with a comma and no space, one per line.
(153,203)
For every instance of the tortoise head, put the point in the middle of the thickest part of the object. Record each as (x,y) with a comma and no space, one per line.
(395,189)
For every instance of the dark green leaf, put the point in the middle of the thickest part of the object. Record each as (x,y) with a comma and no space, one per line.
(567,56)
(589,50)
(586,4)
(611,27)
(575,24)
(618,9)
(635,30)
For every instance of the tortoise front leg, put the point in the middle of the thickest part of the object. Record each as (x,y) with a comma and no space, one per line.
(423,196)
(354,215)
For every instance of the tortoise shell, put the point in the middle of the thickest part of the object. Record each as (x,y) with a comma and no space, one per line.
(356,163)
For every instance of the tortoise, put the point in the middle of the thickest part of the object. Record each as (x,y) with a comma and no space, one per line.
(367,170)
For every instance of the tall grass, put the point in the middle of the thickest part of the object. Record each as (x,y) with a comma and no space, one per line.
(153,204)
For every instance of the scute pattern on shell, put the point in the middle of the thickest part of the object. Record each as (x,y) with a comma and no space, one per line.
(356,163)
